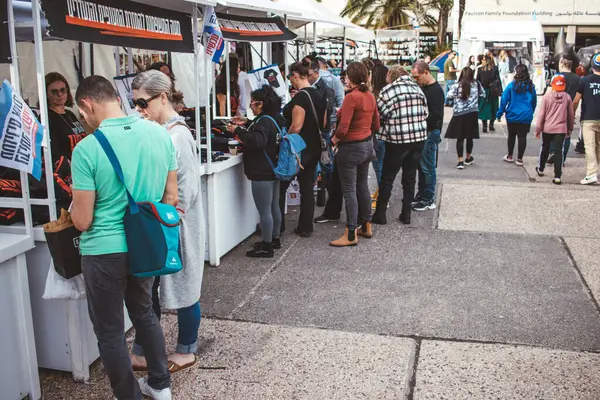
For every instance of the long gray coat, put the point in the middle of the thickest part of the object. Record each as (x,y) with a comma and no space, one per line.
(182,289)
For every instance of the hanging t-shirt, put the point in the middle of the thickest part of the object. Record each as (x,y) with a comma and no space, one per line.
(311,129)
(65,132)
(234,95)
(589,88)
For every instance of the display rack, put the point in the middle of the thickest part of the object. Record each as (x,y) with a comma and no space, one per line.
(397,47)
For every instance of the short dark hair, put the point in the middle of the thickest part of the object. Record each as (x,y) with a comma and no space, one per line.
(158,65)
(96,88)
(321,60)
(270,99)
(421,66)
(314,65)
(299,68)
(56,77)
(359,75)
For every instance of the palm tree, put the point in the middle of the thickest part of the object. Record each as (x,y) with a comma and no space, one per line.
(379,14)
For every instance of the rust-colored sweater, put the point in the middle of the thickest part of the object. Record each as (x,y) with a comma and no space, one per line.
(358,118)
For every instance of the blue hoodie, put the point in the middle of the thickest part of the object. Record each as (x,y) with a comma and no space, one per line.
(519,107)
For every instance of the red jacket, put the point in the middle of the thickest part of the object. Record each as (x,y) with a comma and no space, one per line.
(556,114)
(358,117)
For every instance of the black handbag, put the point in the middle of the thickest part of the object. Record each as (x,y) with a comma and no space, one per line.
(63,242)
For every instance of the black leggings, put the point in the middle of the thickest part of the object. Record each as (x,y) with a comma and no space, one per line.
(517,129)
(460,144)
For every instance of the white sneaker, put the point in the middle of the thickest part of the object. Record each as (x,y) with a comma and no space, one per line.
(589,180)
(164,394)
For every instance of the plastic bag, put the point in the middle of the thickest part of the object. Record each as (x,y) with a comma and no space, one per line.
(59,288)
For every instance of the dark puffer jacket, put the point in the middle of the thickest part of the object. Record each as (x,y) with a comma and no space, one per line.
(260,135)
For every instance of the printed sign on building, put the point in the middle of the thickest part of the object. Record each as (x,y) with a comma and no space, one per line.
(21,134)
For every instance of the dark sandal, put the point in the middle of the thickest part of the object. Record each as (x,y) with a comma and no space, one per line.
(174,368)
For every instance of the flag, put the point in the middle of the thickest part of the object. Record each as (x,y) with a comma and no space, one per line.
(21,134)
(213,38)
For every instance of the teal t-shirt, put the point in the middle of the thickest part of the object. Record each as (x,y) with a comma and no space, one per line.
(146,154)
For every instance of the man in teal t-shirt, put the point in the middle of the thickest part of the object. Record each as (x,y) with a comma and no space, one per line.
(147,157)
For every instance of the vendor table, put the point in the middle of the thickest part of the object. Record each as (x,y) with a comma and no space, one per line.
(230,211)
(19,372)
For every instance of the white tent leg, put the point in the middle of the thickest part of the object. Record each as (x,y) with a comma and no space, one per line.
(315,37)
(344,54)
(41,81)
(197,79)
(117,61)
(130,69)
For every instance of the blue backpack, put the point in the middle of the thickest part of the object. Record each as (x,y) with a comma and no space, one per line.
(288,160)
(151,229)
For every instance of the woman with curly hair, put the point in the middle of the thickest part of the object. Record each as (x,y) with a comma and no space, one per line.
(518,103)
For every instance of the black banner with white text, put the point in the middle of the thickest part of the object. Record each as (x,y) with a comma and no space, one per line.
(120,23)
(250,29)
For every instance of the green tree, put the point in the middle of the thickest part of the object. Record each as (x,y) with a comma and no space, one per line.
(380,14)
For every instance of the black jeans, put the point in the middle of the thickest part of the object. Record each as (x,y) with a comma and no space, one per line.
(460,147)
(306,180)
(333,207)
(520,130)
(400,156)
(556,140)
(108,283)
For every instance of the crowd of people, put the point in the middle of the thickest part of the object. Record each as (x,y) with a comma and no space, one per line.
(387,117)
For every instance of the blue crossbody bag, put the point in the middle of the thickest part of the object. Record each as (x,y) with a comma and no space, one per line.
(151,229)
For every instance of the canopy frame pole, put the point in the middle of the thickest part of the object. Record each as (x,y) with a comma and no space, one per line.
(286,66)
(228,77)
(305,39)
(15,80)
(209,83)
(130,69)
(198,126)
(41,82)
(344,45)
(117,61)
(315,37)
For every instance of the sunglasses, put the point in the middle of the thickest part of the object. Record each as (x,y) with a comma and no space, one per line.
(58,92)
(144,103)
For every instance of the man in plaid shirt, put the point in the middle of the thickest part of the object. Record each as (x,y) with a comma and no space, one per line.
(403,111)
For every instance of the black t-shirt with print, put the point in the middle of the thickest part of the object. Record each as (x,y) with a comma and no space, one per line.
(589,88)
(311,129)
(221,88)
(65,132)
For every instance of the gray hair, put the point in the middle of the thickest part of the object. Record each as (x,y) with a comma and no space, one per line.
(154,83)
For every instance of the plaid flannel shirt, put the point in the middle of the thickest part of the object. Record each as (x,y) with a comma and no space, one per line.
(403,112)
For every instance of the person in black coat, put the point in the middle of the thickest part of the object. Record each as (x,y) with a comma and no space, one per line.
(260,139)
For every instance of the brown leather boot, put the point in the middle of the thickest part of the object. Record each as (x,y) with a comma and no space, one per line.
(348,239)
(366,230)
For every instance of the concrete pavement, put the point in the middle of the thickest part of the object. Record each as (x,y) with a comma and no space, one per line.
(492,296)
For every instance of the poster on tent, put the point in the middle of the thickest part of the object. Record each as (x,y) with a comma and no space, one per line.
(269,75)
(254,29)
(21,134)
(123,84)
(5,48)
(120,23)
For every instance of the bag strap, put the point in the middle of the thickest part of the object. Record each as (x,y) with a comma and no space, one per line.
(280,134)
(112,157)
(313,108)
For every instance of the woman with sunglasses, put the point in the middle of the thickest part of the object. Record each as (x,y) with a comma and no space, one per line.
(154,99)
(65,129)
(261,140)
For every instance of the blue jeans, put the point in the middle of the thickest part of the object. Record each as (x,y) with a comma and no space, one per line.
(188,322)
(449,84)
(427,168)
(378,163)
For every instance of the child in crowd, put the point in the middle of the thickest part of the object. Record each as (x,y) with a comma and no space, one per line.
(555,122)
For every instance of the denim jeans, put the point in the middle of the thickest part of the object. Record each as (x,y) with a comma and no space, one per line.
(188,321)
(108,283)
(353,162)
(378,163)
(427,167)
(449,84)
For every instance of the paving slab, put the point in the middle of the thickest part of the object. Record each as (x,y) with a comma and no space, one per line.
(465,371)
(585,253)
(559,211)
(573,172)
(477,286)
(250,361)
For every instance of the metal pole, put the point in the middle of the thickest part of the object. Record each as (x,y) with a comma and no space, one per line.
(130,69)
(286,67)
(15,80)
(455,24)
(41,82)
(315,37)
(198,126)
(344,56)
(228,77)
(305,39)
(117,61)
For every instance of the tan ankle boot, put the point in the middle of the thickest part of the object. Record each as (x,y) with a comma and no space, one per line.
(349,239)
(366,230)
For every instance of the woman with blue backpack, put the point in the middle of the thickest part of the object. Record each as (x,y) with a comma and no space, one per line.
(261,138)
(518,103)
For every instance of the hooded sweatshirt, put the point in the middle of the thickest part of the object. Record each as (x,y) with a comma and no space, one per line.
(556,114)
(518,102)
